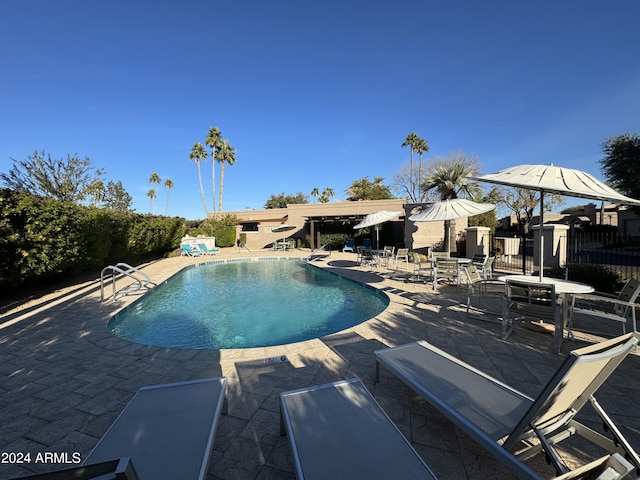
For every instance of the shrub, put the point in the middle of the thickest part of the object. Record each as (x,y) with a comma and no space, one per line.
(599,277)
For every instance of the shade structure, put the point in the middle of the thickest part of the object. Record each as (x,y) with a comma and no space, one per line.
(558,180)
(377,218)
(450,210)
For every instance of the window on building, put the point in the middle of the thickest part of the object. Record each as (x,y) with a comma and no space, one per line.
(249,227)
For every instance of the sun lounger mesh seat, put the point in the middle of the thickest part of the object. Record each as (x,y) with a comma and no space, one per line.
(498,417)
(338,430)
(167,430)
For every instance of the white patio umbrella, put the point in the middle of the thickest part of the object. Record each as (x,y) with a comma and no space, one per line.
(450,210)
(283,228)
(558,180)
(377,218)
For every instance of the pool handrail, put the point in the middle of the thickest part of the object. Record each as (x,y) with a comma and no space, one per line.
(128,271)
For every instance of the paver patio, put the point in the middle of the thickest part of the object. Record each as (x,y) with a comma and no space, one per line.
(64,378)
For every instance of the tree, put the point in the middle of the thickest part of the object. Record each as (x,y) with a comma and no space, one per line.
(315,192)
(404,179)
(117,198)
(155,180)
(415,144)
(168,185)
(524,202)
(364,189)
(213,139)
(152,196)
(448,177)
(225,154)
(197,154)
(96,193)
(327,195)
(64,180)
(281,200)
(621,164)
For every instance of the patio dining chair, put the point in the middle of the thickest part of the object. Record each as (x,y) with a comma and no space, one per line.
(402,254)
(525,301)
(617,308)
(509,424)
(420,269)
(476,284)
(446,269)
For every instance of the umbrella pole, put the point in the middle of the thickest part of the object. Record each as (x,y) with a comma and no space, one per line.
(541,236)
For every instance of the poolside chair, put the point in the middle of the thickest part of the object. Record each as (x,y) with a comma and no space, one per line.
(402,254)
(167,430)
(487,268)
(446,269)
(504,420)
(607,307)
(535,302)
(338,430)
(190,250)
(206,250)
(351,244)
(420,269)
(369,259)
(366,243)
(476,284)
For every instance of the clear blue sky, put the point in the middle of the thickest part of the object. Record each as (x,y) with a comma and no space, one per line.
(312,93)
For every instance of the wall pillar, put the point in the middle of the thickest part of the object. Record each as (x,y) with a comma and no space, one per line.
(477,240)
(555,245)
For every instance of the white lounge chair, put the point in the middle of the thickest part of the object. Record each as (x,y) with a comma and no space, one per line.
(167,430)
(499,417)
(338,430)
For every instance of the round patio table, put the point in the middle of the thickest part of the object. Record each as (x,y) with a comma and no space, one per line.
(565,288)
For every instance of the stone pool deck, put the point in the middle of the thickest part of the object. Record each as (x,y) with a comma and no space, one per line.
(64,378)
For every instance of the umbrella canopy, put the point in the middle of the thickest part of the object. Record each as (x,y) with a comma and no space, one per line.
(283,228)
(450,210)
(558,180)
(377,218)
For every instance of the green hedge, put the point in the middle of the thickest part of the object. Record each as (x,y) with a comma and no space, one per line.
(42,238)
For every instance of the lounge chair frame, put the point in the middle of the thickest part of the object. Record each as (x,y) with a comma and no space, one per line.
(338,430)
(167,430)
(498,417)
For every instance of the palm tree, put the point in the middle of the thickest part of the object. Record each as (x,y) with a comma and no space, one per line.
(420,147)
(152,195)
(197,154)
(315,192)
(214,137)
(168,185)
(411,141)
(327,193)
(225,154)
(449,177)
(154,180)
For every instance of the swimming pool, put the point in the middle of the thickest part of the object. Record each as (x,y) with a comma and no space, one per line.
(243,304)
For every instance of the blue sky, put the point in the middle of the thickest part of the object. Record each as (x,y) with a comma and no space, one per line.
(312,94)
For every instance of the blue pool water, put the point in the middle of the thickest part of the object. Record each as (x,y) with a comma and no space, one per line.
(246,304)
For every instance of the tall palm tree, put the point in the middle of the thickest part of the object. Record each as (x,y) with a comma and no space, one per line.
(154,180)
(449,178)
(213,139)
(411,140)
(315,192)
(198,154)
(225,154)
(168,185)
(420,147)
(152,196)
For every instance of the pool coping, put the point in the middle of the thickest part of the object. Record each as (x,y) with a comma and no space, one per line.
(98,334)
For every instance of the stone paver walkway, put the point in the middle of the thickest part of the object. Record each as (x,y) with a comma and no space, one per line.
(64,378)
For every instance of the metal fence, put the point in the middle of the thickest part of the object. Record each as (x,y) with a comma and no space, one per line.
(620,253)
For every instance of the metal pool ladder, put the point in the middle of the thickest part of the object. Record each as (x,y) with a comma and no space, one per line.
(141,280)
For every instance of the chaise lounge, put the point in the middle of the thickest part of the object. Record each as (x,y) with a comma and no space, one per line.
(499,417)
(338,430)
